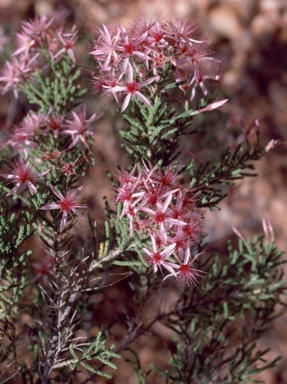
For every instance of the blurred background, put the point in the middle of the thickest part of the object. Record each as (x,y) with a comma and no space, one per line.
(250,37)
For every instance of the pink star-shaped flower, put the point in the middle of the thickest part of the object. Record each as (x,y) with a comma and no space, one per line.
(158,258)
(22,175)
(67,204)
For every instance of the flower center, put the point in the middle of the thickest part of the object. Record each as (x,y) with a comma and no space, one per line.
(156,258)
(128,49)
(157,36)
(184,269)
(66,205)
(131,211)
(132,87)
(55,125)
(160,217)
(24,176)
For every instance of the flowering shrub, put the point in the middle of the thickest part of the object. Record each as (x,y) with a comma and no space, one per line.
(58,261)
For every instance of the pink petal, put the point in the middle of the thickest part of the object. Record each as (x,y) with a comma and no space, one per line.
(44,173)
(56,192)
(211,106)
(14,190)
(129,70)
(79,213)
(168,250)
(154,247)
(169,266)
(143,98)
(63,221)
(47,207)
(31,187)
(146,82)
(126,102)
(167,202)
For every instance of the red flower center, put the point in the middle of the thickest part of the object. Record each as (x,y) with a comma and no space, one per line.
(160,217)
(128,48)
(184,269)
(153,197)
(157,36)
(132,87)
(189,229)
(176,213)
(66,205)
(180,244)
(131,211)
(156,258)
(54,124)
(24,176)
(68,45)
(166,180)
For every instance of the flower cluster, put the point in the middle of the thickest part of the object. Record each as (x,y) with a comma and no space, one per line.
(130,60)
(35,38)
(161,204)
(30,141)
(27,134)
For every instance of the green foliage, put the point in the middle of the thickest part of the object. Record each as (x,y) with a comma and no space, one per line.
(58,89)
(121,229)
(222,322)
(154,132)
(95,350)
(130,249)
(12,236)
(11,296)
(210,180)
